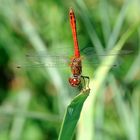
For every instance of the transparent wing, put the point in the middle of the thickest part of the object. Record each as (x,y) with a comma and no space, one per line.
(41,59)
(88,51)
(47,61)
(57,61)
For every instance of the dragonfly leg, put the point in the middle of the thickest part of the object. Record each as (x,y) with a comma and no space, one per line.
(86,80)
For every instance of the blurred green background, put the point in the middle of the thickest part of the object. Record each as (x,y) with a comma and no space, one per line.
(33,99)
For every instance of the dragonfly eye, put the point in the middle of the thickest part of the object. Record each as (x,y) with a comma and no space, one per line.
(74,81)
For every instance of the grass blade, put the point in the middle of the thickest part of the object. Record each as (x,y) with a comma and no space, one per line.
(97,82)
(125,113)
(105,21)
(72,116)
(119,23)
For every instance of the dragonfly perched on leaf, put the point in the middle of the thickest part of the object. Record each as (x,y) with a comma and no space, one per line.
(74,62)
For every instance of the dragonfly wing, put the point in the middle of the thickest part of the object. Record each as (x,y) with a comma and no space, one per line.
(62,60)
(58,51)
(39,65)
(50,62)
(89,51)
(96,62)
(93,58)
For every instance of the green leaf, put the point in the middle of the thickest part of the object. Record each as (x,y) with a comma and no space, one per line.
(72,116)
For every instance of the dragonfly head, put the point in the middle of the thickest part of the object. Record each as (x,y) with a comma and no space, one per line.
(74,81)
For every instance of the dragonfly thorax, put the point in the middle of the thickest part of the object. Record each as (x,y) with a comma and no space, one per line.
(74,81)
(76,66)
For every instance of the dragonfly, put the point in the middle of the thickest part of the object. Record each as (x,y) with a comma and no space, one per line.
(74,62)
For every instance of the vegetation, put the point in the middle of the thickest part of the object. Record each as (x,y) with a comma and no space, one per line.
(35,97)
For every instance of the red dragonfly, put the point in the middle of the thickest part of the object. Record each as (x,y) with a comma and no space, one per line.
(76,61)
